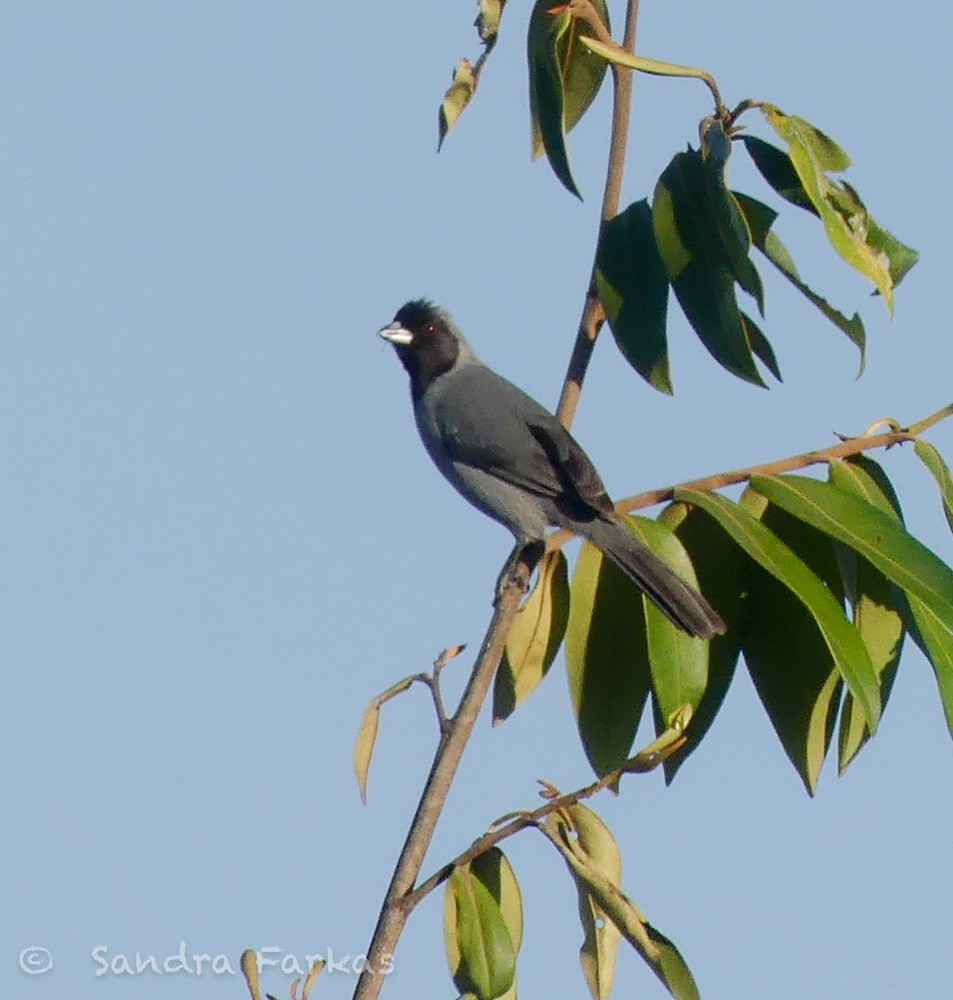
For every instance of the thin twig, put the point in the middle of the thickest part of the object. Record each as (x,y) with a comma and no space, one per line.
(453,741)
(640,764)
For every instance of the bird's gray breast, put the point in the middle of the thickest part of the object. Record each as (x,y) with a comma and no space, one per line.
(473,427)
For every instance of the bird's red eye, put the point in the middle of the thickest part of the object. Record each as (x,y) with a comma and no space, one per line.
(430,328)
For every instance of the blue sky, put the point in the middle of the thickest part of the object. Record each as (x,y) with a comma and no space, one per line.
(222,536)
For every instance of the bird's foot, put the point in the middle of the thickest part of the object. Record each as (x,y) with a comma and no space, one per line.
(519,568)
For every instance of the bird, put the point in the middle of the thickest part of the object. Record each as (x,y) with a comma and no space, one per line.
(515,461)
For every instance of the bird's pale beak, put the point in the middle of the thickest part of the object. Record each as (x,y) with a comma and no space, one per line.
(397,334)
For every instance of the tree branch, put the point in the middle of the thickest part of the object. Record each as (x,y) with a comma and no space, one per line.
(395,910)
(846,448)
(593,315)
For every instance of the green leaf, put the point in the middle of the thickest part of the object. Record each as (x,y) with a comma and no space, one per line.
(932,634)
(760,219)
(534,639)
(849,653)
(730,222)
(787,655)
(926,581)
(860,240)
(760,346)
(678,662)
(566,830)
(901,257)
(776,168)
(718,564)
(872,599)
(691,230)
(606,659)
(600,945)
(633,288)
(480,947)
(564,78)
(933,460)
(456,98)
(874,534)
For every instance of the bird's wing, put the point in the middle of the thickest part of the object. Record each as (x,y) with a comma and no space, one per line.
(503,431)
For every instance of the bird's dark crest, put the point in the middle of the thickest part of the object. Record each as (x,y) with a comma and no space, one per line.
(416,314)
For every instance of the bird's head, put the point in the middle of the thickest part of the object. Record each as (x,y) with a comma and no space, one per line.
(426,341)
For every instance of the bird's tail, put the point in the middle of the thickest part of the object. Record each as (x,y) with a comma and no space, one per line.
(675,598)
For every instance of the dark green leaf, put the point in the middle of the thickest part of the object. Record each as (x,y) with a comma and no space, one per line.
(691,229)
(534,639)
(849,652)
(606,659)
(564,77)
(760,346)
(633,288)
(776,168)
(787,655)
(760,219)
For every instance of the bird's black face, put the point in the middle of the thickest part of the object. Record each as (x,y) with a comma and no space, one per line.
(424,342)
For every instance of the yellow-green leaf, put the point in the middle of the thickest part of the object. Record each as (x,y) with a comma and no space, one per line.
(678,661)
(597,954)
(535,637)
(595,878)
(872,599)
(606,659)
(456,98)
(718,564)
(933,460)
(364,746)
(859,239)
